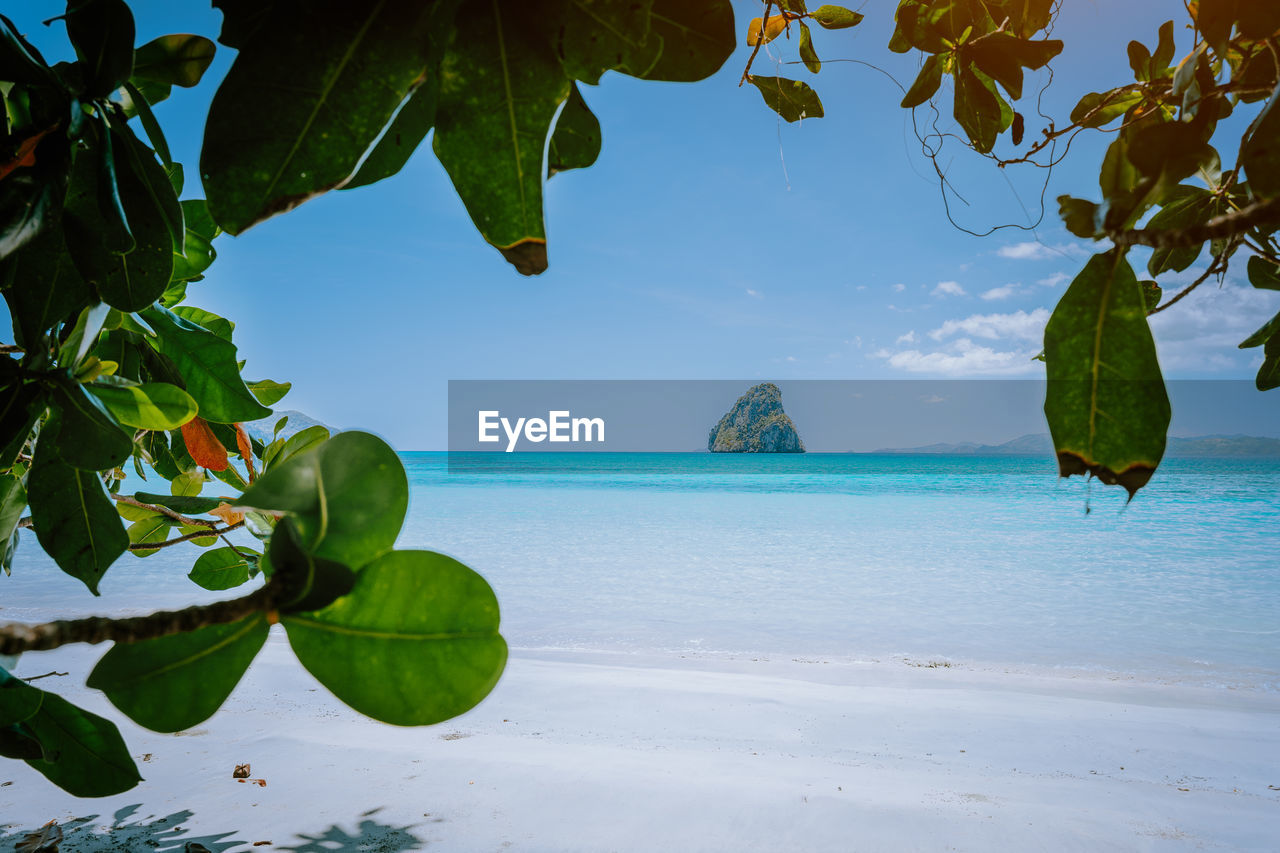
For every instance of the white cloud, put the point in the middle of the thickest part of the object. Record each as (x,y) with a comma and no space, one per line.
(755,294)
(1003,292)
(899,287)
(908,338)
(792,359)
(1204,330)
(1020,326)
(1054,280)
(965,358)
(1034,251)
(948,288)
(933,398)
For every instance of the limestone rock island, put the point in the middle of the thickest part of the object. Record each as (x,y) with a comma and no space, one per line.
(756,424)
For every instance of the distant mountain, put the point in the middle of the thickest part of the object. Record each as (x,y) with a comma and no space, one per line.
(1039,444)
(263,429)
(756,424)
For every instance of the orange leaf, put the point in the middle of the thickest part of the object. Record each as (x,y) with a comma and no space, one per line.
(772,28)
(227,514)
(246,449)
(26,153)
(204,446)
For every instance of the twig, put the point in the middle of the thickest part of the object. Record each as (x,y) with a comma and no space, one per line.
(10,348)
(746,72)
(18,637)
(199,534)
(46,675)
(164,510)
(1218,265)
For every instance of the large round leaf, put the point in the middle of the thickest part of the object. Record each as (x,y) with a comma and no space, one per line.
(152,405)
(348,497)
(172,683)
(415,642)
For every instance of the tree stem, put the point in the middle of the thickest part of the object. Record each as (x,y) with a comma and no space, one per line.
(19,637)
(1232,224)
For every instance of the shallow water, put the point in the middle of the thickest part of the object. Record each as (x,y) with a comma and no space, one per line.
(978,561)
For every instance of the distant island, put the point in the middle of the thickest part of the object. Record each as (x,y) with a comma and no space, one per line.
(1040,444)
(756,424)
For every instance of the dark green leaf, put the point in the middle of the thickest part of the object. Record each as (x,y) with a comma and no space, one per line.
(1163,56)
(20,404)
(1187,207)
(220,326)
(151,405)
(1171,150)
(184,504)
(836,17)
(1269,373)
(348,497)
(1106,403)
(84,754)
(1140,61)
(1261,154)
(306,582)
(102,33)
(1100,108)
(20,62)
(19,701)
(926,84)
(73,517)
(173,60)
(85,434)
(173,683)
(149,531)
(1118,175)
(223,568)
(791,99)
(1151,293)
(594,36)
(1266,333)
(575,144)
(268,148)
(697,38)
(978,110)
(13,502)
(208,367)
(1262,274)
(807,53)
(419,620)
(152,128)
(95,221)
(416,117)
(492,126)
(42,287)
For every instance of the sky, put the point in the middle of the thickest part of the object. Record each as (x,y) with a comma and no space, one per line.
(709,241)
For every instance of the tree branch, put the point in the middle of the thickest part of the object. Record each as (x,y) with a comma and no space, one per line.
(746,72)
(18,637)
(199,534)
(164,510)
(1228,225)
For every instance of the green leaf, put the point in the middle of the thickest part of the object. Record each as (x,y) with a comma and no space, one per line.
(13,502)
(1186,207)
(198,252)
(836,17)
(791,99)
(173,683)
(269,393)
(307,95)
(94,217)
(208,367)
(807,53)
(84,754)
(148,531)
(1163,56)
(575,144)
(220,326)
(1118,176)
(697,38)
(85,434)
(152,129)
(927,82)
(74,519)
(306,582)
(1262,274)
(20,404)
(348,497)
(280,451)
(1097,109)
(20,62)
(19,701)
(1151,293)
(1269,372)
(977,109)
(416,117)
(223,568)
(498,96)
(102,33)
(183,504)
(152,405)
(1140,61)
(1261,154)
(42,287)
(594,36)
(173,60)
(419,620)
(82,336)
(1106,403)
(1266,333)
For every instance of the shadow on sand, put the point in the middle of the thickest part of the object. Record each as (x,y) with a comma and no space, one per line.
(129,832)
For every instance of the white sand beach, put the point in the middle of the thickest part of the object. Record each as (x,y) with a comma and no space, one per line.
(592,752)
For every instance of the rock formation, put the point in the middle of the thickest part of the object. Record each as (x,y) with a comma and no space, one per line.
(756,424)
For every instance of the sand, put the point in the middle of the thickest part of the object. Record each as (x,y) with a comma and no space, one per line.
(593,752)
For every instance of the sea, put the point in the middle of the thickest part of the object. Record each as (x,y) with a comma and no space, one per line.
(932,560)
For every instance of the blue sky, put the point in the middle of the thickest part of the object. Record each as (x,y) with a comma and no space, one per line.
(709,241)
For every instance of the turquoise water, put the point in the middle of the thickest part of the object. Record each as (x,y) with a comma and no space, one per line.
(982,561)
